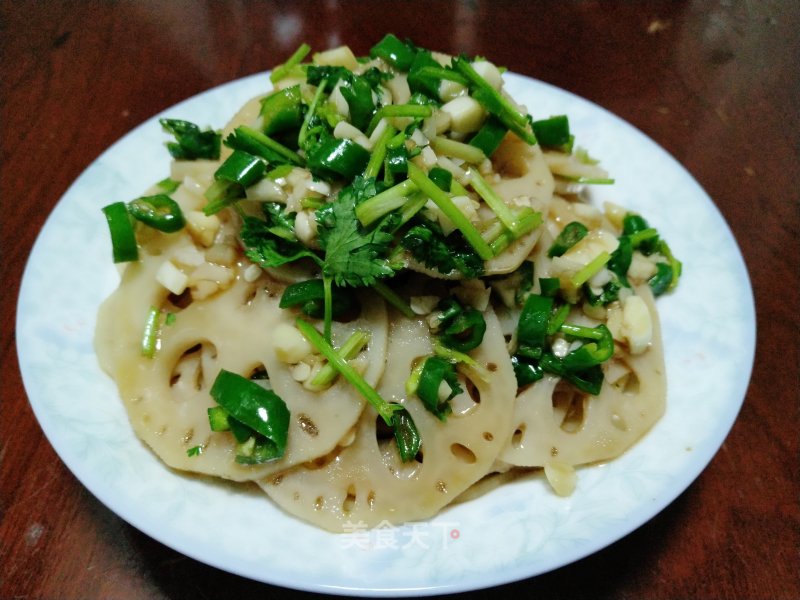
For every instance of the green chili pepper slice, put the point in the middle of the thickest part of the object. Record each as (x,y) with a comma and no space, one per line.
(436,370)
(123,238)
(282,110)
(159,212)
(464,332)
(573,233)
(334,158)
(532,328)
(393,51)
(260,409)
(406,435)
(489,136)
(552,132)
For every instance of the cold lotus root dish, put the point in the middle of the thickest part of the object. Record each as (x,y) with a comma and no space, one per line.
(381,284)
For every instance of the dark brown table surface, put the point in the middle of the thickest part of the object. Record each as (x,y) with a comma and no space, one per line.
(716,83)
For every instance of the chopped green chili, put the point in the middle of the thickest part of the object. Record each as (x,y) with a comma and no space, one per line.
(553,132)
(489,136)
(532,326)
(441,177)
(394,52)
(239,171)
(159,212)
(123,237)
(258,408)
(572,233)
(338,158)
(661,281)
(406,435)
(437,385)
(282,110)
(460,328)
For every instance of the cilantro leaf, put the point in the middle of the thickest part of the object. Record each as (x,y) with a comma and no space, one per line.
(428,244)
(191,143)
(316,74)
(353,256)
(271,242)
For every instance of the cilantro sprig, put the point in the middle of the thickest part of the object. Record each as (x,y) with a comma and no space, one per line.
(190,142)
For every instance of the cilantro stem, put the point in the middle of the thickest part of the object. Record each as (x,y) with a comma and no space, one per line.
(445,203)
(349,350)
(379,152)
(151,333)
(295,59)
(494,201)
(494,102)
(587,180)
(312,108)
(440,349)
(385,202)
(415,204)
(327,287)
(394,299)
(415,111)
(593,267)
(674,263)
(456,149)
(168,185)
(384,408)
(442,73)
(527,222)
(253,141)
(493,232)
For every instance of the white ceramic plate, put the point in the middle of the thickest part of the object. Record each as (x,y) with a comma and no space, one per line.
(514,532)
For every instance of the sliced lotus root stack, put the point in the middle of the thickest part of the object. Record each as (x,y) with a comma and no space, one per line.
(366,483)
(554,422)
(167,396)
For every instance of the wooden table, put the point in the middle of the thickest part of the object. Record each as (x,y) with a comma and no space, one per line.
(716,83)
